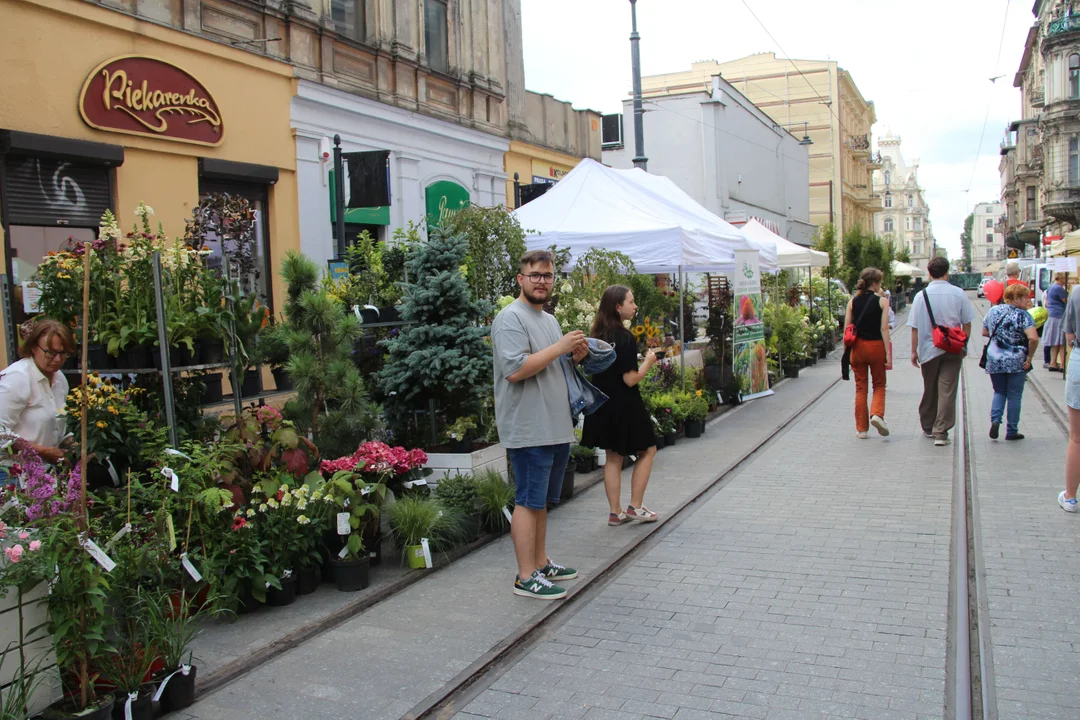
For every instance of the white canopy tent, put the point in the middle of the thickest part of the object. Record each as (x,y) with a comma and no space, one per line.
(904,269)
(645,217)
(1069,244)
(788,254)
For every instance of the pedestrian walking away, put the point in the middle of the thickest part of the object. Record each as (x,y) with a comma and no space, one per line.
(1067,497)
(1009,351)
(532,413)
(622,426)
(1053,335)
(872,353)
(951,309)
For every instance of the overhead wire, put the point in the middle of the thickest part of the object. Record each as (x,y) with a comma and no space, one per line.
(990,100)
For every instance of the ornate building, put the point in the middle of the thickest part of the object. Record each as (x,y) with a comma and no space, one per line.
(987,240)
(905,216)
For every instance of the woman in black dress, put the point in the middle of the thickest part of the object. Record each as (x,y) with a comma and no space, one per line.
(622,426)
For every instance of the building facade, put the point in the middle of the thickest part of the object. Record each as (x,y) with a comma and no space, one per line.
(132,111)
(987,238)
(728,155)
(815,98)
(905,215)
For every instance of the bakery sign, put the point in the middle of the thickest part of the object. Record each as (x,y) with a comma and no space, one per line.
(141,95)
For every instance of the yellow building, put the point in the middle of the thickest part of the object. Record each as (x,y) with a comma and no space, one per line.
(556,138)
(102,110)
(807,97)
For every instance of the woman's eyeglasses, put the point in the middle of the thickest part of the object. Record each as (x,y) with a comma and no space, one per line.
(53,353)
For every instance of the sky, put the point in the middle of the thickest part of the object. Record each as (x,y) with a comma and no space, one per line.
(925,64)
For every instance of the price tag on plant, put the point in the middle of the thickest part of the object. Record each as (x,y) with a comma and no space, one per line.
(343,527)
(344,552)
(172,532)
(174,451)
(190,567)
(509,517)
(8,505)
(99,555)
(112,472)
(119,534)
(427,552)
(174,481)
(366,490)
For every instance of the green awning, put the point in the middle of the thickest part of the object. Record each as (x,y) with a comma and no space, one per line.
(359,216)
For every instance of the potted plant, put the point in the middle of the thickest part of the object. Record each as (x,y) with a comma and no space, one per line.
(460,493)
(582,458)
(354,501)
(694,409)
(126,669)
(496,498)
(172,634)
(282,525)
(460,432)
(414,519)
(241,564)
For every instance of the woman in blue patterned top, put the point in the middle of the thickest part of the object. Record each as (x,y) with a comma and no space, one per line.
(1011,345)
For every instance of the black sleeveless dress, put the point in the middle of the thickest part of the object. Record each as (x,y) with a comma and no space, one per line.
(622,424)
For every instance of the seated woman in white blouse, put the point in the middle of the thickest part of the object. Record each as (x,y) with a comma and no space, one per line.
(33,390)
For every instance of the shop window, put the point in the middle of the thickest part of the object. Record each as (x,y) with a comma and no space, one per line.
(349,18)
(436,35)
(1074,161)
(1032,210)
(1074,77)
(258,197)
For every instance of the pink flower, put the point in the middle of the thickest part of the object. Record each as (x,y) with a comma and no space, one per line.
(14,553)
(35,545)
(3,528)
(24,535)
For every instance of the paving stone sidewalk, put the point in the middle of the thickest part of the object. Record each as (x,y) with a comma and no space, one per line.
(1032,578)
(814,584)
(386,660)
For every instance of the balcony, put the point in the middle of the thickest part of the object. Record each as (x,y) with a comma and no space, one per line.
(1036,97)
(859,144)
(875,162)
(1063,204)
(1060,32)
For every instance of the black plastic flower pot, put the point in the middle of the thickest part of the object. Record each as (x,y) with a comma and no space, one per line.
(583,466)
(212,392)
(97,358)
(252,384)
(369,316)
(823,352)
(246,602)
(351,575)
(142,708)
(389,314)
(811,361)
(211,351)
(179,356)
(694,428)
(285,596)
(63,709)
(119,361)
(179,692)
(461,446)
(791,371)
(139,356)
(660,443)
(669,439)
(307,580)
(568,484)
(372,537)
(282,381)
(73,360)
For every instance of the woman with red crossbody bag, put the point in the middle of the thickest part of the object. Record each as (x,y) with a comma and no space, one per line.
(868,320)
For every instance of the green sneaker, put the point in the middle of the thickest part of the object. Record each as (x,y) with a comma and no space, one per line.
(555,571)
(538,587)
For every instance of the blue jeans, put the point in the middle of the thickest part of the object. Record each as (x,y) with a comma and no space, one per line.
(1010,387)
(538,474)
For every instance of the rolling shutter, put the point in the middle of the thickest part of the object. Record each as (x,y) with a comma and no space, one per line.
(48,191)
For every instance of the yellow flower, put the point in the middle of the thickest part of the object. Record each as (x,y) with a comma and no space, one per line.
(699,393)
(102,424)
(114,411)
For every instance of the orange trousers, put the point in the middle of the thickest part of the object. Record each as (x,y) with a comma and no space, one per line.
(868,357)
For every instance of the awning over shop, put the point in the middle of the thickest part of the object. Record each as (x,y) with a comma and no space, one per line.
(788,254)
(646,217)
(903,269)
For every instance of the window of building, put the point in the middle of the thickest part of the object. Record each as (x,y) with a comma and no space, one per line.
(911,201)
(1074,77)
(909,223)
(989,238)
(1074,161)
(436,35)
(888,201)
(989,222)
(888,177)
(890,226)
(1031,208)
(348,18)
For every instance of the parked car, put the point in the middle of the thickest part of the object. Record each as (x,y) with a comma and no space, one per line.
(982,284)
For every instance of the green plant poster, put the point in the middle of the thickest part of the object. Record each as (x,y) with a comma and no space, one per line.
(749,356)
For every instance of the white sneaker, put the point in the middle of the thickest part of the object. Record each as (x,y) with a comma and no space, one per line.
(880,426)
(942,442)
(928,435)
(1066,505)
(862,435)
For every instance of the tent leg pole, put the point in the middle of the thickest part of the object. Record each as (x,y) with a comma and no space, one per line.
(682,330)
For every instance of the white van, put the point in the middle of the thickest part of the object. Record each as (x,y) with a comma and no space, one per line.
(1038,277)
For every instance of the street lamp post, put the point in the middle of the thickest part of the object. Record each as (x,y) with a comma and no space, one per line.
(640,161)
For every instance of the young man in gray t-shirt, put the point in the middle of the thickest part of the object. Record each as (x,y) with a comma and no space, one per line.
(532,412)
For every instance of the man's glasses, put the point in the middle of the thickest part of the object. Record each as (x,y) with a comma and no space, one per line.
(53,353)
(537,278)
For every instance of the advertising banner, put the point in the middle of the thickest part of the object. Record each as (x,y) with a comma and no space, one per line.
(749,354)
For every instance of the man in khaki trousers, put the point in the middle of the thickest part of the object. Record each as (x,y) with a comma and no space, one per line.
(940,370)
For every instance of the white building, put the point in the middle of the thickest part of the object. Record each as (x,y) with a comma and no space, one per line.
(987,238)
(905,217)
(433,164)
(724,152)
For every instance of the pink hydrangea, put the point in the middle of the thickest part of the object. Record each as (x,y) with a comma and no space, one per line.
(378,458)
(35,545)
(24,535)
(14,553)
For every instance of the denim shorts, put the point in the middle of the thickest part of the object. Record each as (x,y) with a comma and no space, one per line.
(1072,380)
(538,474)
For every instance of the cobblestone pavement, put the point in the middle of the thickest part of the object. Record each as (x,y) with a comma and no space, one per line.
(383,662)
(814,584)
(1032,579)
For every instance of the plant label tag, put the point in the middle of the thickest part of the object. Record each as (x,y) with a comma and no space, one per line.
(112,472)
(119,534)
(132,696)
(177,453)
(99,555)
(719,399)
(509,517)
(190,567)
(343,527)
(344,552)
(174,481)
(356,311)
(427,552)
(346,503)
(172,532)
(8,505)
(366,490)
(184,670)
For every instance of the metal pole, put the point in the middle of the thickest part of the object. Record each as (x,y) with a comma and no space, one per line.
(517,191)
(163,349)
(339,197)
(234,373)
(640,161)
(682,331)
